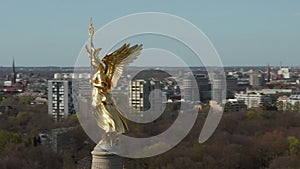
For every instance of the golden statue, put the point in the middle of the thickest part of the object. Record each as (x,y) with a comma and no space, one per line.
(104,79)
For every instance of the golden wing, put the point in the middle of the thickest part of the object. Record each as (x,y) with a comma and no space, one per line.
(117,61)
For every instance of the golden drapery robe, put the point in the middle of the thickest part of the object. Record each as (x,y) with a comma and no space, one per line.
(108,116)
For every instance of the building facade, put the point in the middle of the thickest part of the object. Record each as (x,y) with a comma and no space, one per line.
(256,78)
(141,97)
(60,100)
(285,72)
(234,105)
(189,86)
(253,100)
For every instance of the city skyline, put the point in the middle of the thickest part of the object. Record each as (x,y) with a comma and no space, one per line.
(210,84)
(244,34)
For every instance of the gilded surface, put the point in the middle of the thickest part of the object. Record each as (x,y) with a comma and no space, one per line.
(105,75)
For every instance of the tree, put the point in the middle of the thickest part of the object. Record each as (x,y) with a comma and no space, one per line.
(289,106)
(7,138)
(280,105)
(20,156)
(287,162)
(296,107)
(252,114)
(25,100)
(294,146)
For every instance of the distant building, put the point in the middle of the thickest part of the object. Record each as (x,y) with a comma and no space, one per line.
(231,83)
(60,101)
(284,72)
(217,88)
(198,82)
(282,102)
(256,78)
(268,74)
(11,80)
(203,87)
(271,91)
(171,89)
(13,73)
(234,105)
(7,83)
(232,86)
(189,86)
(137,88)
(294,98)
(291,103)
(139,95)
(253,100)
(81,88)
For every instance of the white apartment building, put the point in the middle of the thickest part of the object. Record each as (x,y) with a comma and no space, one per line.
(285,72)
(60,101)
(253,100)
(294,98)
(137,94)
(141,98)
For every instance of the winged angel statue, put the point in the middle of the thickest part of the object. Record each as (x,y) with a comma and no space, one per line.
(105,77)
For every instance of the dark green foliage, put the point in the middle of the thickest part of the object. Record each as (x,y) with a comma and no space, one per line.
(294,146)
(251,139)
(18,130)
(8,138)
(21,156)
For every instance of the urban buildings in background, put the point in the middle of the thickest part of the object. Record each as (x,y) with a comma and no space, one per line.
(64,93)
(246,87)
(60,101)
(145,94)
(138,91)
(12,81)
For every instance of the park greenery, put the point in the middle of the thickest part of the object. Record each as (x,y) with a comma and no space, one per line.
(20,127)
(249,139)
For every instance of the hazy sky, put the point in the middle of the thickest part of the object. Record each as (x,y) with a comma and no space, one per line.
(52,32)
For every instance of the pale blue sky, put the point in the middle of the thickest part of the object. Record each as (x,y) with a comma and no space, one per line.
(52,32)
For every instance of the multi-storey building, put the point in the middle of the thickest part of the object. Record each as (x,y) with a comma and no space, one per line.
(189,86)
(141,96)
(253,100)
(137,89)
(231,83)
(234,105)
(285,72)
(193,83)
(256,78)
(60,101)
(294,98)
(217,88)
